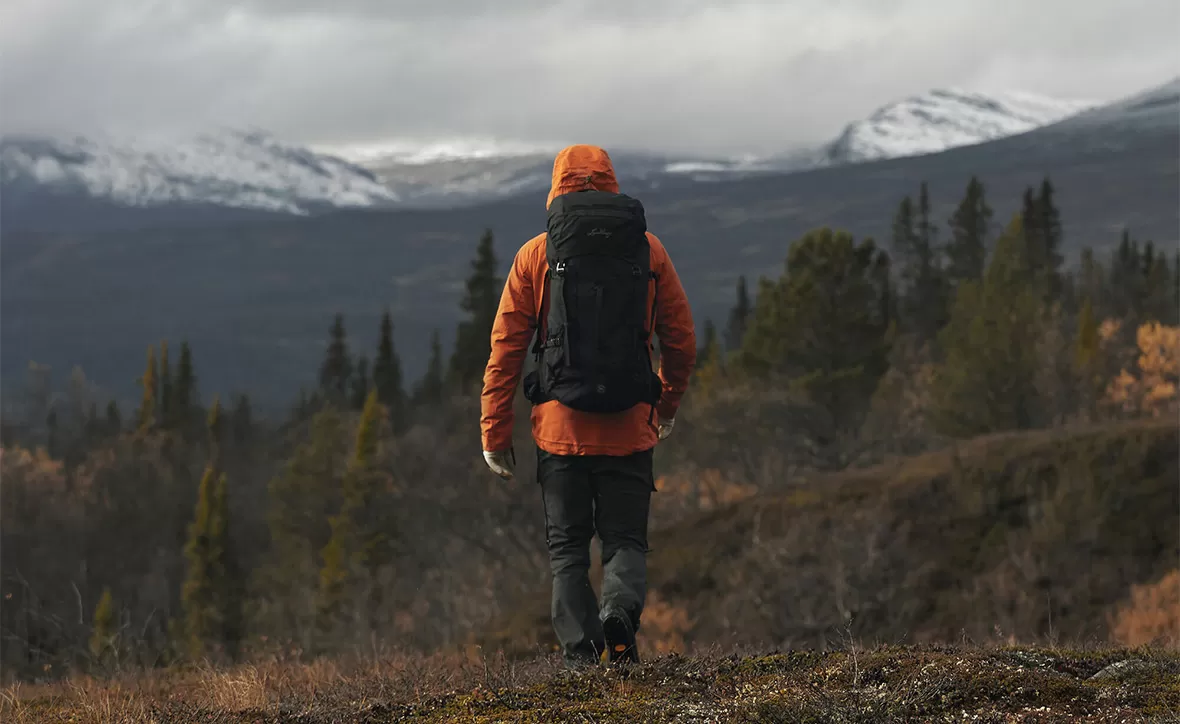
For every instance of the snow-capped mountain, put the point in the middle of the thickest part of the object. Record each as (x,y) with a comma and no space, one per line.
(84,182)
(465,170)
(943,119)
(245,170)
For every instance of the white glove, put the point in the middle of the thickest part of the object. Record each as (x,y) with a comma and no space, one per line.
(502,463)
(666,428)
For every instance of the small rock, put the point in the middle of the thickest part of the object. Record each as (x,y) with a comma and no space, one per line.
(1122,669)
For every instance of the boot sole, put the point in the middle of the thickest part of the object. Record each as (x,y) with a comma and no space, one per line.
(620,642)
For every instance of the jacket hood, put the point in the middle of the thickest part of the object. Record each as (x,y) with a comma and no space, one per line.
(581,167)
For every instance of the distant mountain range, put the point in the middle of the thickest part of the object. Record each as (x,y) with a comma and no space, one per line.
(255,293)
(86,183)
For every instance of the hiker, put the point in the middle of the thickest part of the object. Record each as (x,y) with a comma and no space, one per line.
(592,288)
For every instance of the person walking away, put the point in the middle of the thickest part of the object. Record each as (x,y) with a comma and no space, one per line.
(594,287)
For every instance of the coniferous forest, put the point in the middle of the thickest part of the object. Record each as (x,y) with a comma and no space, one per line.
(951,431)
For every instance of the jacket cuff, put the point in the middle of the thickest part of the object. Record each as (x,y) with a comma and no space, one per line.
(666,410)
(496,441)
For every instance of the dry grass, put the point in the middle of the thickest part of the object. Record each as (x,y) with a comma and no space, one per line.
(856,685)
(1152,615)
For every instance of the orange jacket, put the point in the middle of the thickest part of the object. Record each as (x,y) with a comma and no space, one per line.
(558,429)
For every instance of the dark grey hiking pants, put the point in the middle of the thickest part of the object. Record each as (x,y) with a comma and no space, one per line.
(584,495)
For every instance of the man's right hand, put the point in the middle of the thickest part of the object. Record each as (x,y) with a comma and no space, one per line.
(502,463)
(666,428)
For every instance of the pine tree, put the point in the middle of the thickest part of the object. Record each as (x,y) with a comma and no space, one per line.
(202,622)
(1051,229)
(1043,237)
(210,597)
(429,390)
(184,391)
(923,292)
(821,324)
(987,382)
(166,412)
(970,225)
(360,383)
(229,586)
(473,345)
(739,318)
(359,545)
(301,499)
(336,371)
(148,408)
(708,339)
(103,632)
(387,375)
(709,365)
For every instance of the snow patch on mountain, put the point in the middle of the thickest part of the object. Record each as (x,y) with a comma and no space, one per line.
(420,153)
(250,170)
(943,119)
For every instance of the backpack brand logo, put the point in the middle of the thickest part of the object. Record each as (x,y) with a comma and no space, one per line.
(599,232)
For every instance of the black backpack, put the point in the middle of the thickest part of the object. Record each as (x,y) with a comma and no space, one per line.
(592,351)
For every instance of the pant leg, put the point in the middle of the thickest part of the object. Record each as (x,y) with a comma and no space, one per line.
(623,488)
(569,527)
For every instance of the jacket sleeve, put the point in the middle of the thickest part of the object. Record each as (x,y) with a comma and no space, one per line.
(512,331)
(674,326)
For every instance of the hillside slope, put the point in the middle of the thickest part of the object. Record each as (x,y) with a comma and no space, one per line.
(1033,536)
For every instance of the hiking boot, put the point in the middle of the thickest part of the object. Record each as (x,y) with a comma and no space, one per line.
(620,639)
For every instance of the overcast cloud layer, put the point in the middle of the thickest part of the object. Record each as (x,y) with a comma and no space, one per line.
(724,76)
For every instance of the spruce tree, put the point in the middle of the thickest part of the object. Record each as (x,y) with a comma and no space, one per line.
(1043,238)
(987,381)
(359,544)
(429,390)
(821,324)
(708,339)
(301,499)
(149,382)
(184,391)
(970,224)
(480,303)
(709,365)
(923,292)
(739,317)
(336,370)
(229,592)
(360,384)
(198,596)
(387,374)
(1053,234)
(210,597)
(166,412)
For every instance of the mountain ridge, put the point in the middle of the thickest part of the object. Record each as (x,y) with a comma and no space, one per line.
(65,183)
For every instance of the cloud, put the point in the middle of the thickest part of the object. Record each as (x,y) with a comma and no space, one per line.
(738,75)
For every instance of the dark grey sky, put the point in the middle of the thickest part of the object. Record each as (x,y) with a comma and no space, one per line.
(723,76)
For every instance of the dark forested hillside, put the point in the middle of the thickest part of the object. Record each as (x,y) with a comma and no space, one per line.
(257,297)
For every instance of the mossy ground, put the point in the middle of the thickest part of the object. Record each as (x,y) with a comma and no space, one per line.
(891,684)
